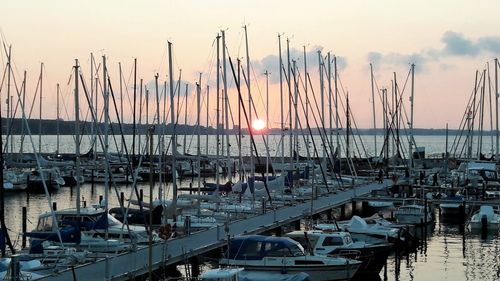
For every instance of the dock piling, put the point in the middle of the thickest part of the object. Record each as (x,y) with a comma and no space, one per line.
(122,199)
(24,227)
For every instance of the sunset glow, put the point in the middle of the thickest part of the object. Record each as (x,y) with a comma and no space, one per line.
(258,124)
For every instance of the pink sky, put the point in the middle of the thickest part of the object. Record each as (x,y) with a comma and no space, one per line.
(447,40)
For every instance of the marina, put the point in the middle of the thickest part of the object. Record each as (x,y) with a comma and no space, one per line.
(228,141)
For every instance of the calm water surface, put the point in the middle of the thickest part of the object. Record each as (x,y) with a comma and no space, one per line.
(448,253)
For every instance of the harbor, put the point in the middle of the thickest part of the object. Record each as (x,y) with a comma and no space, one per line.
(228,141)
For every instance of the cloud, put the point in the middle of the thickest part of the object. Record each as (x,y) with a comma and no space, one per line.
(454,45)
(457,45)
(271,62)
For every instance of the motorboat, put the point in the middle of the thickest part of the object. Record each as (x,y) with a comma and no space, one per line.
(282,254)
(372,227)
(414,213)
(117,175)
(340,243)
(24,265)
(93,228)
(240,274)
(486,214)
(379,206)
(14,180)
(451,205)
(52,177)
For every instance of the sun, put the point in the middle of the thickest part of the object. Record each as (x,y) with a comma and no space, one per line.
(258,124)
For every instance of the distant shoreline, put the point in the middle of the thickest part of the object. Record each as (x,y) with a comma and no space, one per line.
(49,127)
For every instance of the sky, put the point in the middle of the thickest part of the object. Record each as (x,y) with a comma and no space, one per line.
(447,40)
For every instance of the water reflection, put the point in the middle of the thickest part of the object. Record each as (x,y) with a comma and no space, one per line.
(448,250)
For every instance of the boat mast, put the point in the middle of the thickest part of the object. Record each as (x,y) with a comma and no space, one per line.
(185,117)
(9,118)
(250,102)
(58,117)
(347,131)
(226,103)
(289,70)
(481,116)
(121,103)
(337,116)
(307,100)
(282,121)
(22,123)
(330,97)
(40,113)
(267,124)
(172,120)
(496,109)
(5,233)
(134,108)
(106,138)
(410,144)
(373,108)
(139,133)
(77,136)
(198,126)
(208,120)
(295,98)
(95,91)
(94,122)
(159,136)
(240,159)
(217,127)
(322,98)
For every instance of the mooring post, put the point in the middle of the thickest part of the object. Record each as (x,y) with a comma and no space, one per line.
(297,225)
(122,198)
(279,231)
(15,268)
(24,227)
(462,213)
(484,226)
(54,206)
(425,210)
(329,214)
(100,200)
(195,267)
(92,180)
(364,208)
(141,195)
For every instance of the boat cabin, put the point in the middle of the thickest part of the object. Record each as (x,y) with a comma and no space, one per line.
(322,242)
(473,174)
(257,247)
(222,274)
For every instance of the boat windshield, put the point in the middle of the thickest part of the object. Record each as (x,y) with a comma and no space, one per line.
(333,241)
(44,223)
(255,247)
(281,250)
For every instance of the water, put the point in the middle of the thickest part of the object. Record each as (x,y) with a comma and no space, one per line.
(448,253)
(360,145)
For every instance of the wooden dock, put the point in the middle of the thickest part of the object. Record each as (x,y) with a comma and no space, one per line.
(131,264)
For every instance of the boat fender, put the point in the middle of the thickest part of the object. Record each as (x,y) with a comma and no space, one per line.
(165,231)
